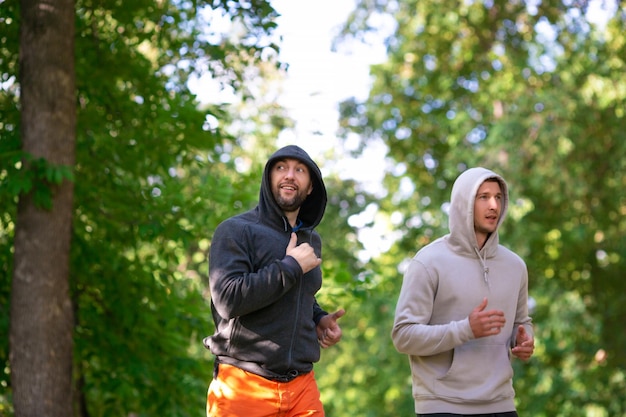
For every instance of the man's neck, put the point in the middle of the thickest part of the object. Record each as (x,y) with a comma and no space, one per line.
(481,238)
(292,217)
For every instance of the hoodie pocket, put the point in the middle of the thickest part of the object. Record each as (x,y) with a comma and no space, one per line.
(478,372)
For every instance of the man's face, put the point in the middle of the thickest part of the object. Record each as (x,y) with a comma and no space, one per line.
(291,184)
(487,208)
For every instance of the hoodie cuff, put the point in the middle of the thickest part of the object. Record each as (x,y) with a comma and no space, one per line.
(292,265)
(318,317)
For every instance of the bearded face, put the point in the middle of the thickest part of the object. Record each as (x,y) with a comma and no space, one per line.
(291,184)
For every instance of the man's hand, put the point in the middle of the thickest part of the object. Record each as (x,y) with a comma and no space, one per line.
(328,330)
(486,323)
(303,254)
(524,344)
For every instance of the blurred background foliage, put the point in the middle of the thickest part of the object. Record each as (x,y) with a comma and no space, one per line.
(532,90)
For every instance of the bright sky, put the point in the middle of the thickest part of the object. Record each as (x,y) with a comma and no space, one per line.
(318,79)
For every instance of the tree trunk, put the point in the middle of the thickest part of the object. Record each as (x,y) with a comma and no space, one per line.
(41,312)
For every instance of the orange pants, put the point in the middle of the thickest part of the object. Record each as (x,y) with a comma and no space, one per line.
(238,393)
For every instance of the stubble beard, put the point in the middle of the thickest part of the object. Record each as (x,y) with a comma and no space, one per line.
(487,231)
(289,205)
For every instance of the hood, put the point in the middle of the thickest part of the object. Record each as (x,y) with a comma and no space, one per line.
(312,209)
(461,218)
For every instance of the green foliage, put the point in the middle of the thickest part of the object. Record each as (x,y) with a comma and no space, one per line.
(534,92)
(27,174)
(362,375)
(152,180)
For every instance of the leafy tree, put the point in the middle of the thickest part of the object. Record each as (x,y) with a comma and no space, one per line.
(152,178)
(41,312)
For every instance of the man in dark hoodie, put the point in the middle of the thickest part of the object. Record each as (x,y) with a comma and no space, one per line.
(264,272)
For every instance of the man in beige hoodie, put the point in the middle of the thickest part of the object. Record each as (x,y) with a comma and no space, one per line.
(462,311)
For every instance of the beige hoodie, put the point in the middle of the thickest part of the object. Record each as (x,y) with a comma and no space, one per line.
(453,372)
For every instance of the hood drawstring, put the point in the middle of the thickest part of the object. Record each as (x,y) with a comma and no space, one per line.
(485,267)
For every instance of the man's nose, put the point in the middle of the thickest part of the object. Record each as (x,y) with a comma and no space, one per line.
(290,173)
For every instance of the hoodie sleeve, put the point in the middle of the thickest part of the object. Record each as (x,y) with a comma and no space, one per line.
(236,287)
(318,313)
(521,314)
(412,332)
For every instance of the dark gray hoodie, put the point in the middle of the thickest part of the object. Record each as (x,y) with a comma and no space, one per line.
(263,306)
